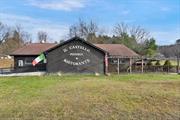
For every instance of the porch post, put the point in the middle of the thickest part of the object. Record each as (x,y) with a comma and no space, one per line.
(130,65)
(142,65)
(106,64)
(118,66)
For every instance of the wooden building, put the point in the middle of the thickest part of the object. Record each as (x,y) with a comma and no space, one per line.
(73,56)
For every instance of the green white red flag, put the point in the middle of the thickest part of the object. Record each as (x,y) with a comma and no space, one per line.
(38,59)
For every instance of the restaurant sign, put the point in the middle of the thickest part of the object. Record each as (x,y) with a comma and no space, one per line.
(77,55)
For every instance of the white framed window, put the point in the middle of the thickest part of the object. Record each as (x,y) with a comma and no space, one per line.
(20,63)
(28,61)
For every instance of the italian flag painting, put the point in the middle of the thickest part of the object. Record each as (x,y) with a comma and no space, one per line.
(38,59)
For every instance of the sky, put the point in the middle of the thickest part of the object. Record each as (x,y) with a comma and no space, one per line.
(159,17)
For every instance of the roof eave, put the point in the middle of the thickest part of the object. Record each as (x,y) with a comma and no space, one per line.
(23,54)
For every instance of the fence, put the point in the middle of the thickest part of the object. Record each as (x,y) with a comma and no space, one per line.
(39,68)
(141,65)
(6,70)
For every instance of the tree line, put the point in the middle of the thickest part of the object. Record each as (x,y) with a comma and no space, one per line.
(13,37)
(134,37)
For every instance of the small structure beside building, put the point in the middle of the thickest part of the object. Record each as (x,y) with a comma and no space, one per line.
(74,56)
(6,61)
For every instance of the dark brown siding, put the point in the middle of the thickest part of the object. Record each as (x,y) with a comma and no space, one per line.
(28,67)
(86,60)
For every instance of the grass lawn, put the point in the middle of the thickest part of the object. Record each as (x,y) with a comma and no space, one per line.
(135,96)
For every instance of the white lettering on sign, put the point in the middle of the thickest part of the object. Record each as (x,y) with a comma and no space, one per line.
(76,55)
(77,63)
(76,47)
(65,50)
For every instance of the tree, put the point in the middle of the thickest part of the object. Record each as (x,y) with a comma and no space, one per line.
(167,65)
(86,30)
(158,63)
(151,47)
(133,37)
(176,51)
(15,39)
(170,50)
(125,39)
(140,34)
(61,41)
(42,36)
(178,41)
(136,32)
(121,29)
(4,32)
(100,39)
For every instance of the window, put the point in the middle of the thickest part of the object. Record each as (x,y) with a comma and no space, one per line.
(115,61)
(28,61)
(20,63)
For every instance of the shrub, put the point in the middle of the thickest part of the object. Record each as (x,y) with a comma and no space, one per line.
(157,63)
(167,65)
(149,63)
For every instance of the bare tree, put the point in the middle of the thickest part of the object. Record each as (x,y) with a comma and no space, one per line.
(73,31)
(42,36)
(83,29)
(4,32)
(17,37)
(138,33)
(120,29)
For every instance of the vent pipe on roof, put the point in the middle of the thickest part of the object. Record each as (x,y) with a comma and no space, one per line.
(42,41)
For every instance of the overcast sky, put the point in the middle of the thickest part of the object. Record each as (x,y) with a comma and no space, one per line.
(160,17)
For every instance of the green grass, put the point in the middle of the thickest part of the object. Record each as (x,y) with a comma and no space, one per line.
(135,96)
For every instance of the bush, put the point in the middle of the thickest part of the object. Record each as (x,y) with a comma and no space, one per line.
(149,63)
(167,65)
(157,63)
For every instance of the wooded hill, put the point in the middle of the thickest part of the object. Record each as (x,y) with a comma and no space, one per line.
(170,50)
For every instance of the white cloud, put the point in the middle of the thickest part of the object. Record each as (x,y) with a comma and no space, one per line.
(65,5)
(56,31)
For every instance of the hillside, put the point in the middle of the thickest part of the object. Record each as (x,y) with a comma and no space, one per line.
(170,50)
